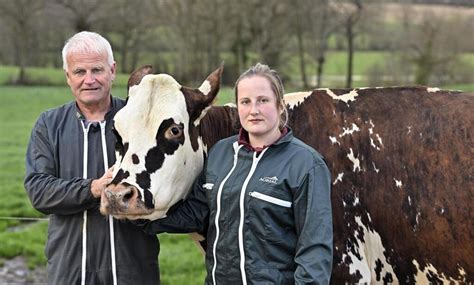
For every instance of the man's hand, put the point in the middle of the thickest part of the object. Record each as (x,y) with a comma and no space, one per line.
(98,185)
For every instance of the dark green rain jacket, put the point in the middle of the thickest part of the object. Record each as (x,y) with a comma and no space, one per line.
(58,178)
(269,215)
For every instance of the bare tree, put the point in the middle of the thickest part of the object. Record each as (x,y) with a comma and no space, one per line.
(82,13)
(269,29)
(323,22)
(21,18)
(241,42)
(299,7)
(351,12)
(430,43)
(132,25)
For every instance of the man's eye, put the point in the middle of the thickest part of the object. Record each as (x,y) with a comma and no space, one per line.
(97,70)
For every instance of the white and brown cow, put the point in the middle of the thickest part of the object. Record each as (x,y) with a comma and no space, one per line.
(401,161)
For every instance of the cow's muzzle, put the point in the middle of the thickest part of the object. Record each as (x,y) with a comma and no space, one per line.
(123,201)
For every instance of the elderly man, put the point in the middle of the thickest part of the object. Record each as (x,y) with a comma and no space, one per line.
(67,168)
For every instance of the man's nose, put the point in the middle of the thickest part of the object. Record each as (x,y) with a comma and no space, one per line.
(89,78)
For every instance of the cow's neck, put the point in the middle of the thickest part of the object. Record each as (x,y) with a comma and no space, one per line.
(220,122)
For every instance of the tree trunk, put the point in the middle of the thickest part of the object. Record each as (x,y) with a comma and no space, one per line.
(124,52)
(320,67)
(321,36)
(350,52)
(301,52)
(300,43)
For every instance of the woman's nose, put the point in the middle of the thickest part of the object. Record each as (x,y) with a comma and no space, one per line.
(254,110)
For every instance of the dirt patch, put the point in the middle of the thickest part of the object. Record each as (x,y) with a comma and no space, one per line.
(15,271)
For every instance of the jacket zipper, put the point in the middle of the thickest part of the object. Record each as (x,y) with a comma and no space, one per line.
(111,219)
(242,213)
(84,224)
(218,211)
(270,199)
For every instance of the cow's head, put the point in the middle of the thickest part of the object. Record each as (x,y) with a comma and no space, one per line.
(159,150)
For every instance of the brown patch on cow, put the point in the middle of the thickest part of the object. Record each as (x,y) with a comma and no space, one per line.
(426,145)
(137,75)
(220,122)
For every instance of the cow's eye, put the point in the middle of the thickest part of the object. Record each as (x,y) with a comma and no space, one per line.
(174,132)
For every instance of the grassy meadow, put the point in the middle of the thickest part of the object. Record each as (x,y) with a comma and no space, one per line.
(180,260)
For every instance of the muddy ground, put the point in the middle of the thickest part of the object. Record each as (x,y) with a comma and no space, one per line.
(15,272)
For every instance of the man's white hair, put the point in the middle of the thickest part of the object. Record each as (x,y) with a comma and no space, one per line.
(87,42)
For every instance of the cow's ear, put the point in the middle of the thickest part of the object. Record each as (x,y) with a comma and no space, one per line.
(198,100)
(210,86)
(137,75)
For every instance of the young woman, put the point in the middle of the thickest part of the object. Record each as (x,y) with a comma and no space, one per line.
(264,197)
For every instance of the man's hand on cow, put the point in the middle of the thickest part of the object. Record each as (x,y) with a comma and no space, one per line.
(98,185)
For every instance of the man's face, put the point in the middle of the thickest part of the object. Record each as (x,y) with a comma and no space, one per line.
(90,77)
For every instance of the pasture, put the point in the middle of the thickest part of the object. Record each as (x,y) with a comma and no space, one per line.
(180,260)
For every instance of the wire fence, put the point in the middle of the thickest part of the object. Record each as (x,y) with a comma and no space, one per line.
(24,218)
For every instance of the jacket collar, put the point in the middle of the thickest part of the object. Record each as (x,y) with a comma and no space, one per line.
(243,139)
(114,107)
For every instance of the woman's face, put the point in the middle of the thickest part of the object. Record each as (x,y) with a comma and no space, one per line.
(258,110)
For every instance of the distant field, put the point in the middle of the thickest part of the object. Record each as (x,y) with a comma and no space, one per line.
(333,76)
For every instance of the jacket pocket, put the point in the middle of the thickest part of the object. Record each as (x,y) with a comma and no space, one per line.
(270,199)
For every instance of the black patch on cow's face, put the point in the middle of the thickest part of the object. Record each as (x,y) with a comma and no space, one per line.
(378,268)
(121,175)
(125,148)
(155,156)
(143,180)
(167,143)
(135,159)
(387,279)
(148,199)
(119,146)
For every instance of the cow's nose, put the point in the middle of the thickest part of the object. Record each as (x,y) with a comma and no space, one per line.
(121,195)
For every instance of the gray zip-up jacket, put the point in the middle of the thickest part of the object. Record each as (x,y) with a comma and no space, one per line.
(269,215)
(83,246)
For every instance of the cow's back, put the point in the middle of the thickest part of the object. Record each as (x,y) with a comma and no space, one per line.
(402,179)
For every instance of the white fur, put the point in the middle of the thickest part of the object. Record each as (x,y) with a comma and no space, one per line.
(429,269)
(296,98)
(205,87)
(370,248)
(346,98)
